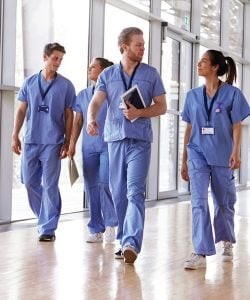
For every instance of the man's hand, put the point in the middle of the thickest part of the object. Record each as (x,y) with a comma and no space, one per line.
(92,128)
(64,150)
(184,171)
(131,112)
(16,145)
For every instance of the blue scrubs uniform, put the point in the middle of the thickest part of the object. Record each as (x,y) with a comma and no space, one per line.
(129,145)
(43,138)
(96,168)
(208,163)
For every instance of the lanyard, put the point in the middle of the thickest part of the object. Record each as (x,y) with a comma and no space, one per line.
(131,78)
(209,110)
(44,93)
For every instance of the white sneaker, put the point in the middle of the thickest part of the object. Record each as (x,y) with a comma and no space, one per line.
(110,234)
(195,262)
(227,254)
(95,238)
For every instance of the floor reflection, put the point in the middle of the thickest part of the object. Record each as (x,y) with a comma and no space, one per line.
(70,268)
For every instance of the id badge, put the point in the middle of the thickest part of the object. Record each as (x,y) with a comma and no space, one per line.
(43,108)
(207,130)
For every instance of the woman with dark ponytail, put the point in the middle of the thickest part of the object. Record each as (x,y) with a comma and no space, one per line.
(103,220)
(213,112)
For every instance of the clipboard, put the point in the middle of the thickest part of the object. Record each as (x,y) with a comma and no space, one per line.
(73,172)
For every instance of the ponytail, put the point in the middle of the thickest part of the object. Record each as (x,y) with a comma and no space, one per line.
(104,63)
(231,73)
(226,65)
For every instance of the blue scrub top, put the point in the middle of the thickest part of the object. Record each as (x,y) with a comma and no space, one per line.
(91,143)
(42,127)
(230,107)
(117,127)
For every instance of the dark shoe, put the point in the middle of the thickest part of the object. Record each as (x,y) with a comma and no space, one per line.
(119,254)
(47,238)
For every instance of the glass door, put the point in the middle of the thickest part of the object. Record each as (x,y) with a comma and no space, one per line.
(169,121)
(176,75)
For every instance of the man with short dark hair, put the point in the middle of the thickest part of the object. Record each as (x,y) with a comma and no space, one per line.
(46,100)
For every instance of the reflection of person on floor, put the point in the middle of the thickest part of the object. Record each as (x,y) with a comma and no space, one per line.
(213,113)
(128,283)
(95,161)
(46,101)
(129,143)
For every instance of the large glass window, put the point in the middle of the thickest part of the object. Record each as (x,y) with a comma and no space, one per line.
(236,26)
(177,82)
(41,22)
(177,12)
(38,23)
(142,4)
(210,20)
(118,19)
(169,121)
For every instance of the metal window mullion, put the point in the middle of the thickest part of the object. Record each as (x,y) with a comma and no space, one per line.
(1,38)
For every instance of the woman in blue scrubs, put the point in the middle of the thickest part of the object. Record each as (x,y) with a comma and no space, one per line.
(213,112)
(95,161)
(129,143)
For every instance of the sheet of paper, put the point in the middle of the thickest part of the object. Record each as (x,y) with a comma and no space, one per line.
(73,172)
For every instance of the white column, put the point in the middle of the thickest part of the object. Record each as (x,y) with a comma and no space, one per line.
(154,60)
(7,94)
(246,90)
(225,5)
(97,15)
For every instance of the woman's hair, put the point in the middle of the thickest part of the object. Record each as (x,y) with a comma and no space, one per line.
(104,63)
(126,34)
(49,48)
(226,65)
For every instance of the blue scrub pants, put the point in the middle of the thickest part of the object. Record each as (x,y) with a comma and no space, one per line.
(129,163)
(224,198)
(96,183)
(40,171)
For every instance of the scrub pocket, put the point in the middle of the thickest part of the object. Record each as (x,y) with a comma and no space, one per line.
(199,174)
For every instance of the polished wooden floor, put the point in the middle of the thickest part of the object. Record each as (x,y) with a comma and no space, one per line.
(72,269)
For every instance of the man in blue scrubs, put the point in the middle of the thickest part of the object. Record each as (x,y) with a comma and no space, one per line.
(129,143)
(46,100)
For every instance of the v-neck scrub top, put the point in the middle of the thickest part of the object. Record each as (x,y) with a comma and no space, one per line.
(230,107)
(43,127)
(91,143)
(117,127)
